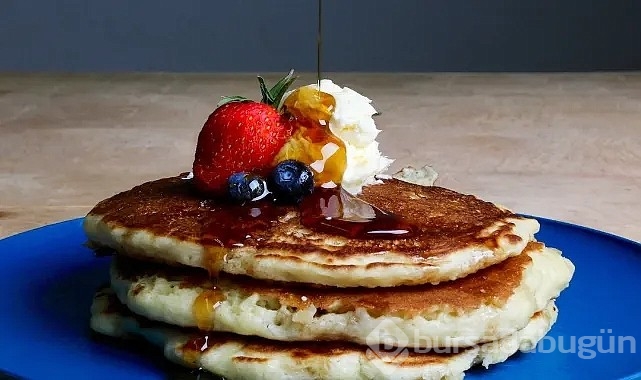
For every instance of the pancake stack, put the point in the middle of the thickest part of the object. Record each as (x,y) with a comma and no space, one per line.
(252,292)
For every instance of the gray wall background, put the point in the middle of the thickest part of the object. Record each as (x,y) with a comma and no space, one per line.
(359,35)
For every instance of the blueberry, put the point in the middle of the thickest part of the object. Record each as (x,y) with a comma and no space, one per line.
(291,180)
(244,187)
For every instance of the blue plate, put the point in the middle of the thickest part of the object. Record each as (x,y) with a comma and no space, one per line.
(48,279)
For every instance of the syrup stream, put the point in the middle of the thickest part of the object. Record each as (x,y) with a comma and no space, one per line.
(205,304)
(319,42)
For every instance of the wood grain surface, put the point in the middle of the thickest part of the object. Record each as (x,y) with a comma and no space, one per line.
(563,146)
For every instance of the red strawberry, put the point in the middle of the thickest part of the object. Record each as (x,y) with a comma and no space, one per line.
(241,136)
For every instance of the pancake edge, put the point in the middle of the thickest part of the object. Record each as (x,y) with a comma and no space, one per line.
(235,360)
(169,301)
(366,270)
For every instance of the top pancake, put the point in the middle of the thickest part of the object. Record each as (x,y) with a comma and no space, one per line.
(168,221)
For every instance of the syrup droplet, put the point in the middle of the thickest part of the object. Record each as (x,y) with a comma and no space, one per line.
(204,306)
(214,259)
(335,211)
(193,349)
(313,143)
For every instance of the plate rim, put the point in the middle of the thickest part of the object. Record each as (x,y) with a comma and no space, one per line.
(73,223)
(586,228)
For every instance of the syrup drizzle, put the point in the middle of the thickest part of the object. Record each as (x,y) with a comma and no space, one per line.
(335,211)
(232,227)
(313,143)
(329,209)
(204,306)
(219,232)
(194,348)
(203,310)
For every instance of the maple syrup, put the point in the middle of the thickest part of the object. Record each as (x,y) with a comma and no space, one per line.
(312,142)
(204,306)
(214,259)
(329,209)
(335,211)
(232,226)
(194,348)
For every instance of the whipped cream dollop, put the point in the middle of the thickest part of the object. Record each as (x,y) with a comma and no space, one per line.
(352,122)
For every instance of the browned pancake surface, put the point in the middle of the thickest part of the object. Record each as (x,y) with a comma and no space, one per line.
(444,219)
(490,286)
(199,342)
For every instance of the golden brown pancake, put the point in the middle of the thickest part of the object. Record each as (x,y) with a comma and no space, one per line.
(237,357)
(452,235)
(487,305)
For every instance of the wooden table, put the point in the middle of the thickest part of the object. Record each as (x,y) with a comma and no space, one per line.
(564,146)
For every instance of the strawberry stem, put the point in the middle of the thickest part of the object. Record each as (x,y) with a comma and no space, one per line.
(267,96)
(274,95)
(281,87)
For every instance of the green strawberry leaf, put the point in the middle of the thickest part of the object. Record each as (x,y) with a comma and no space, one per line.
(267,96)
(228,99)
(281,87)
(274,95)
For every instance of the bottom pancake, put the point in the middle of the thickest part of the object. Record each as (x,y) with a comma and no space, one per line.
(238,357)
